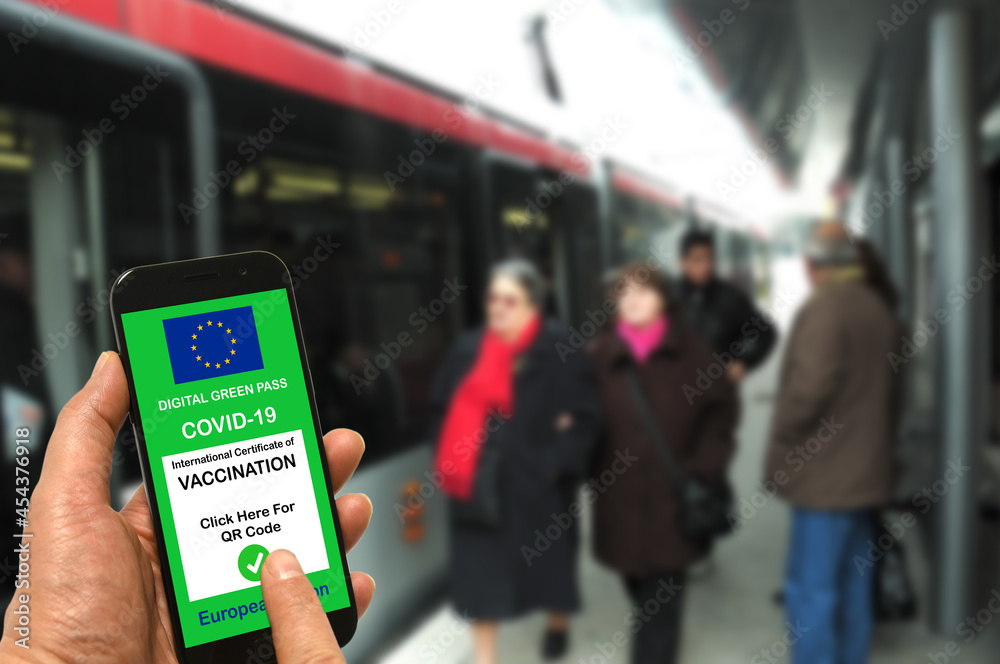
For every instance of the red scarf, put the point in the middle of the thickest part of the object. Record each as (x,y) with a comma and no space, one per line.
(485,392)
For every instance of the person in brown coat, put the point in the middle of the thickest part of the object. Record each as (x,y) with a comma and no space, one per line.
(830,452)
(637,525)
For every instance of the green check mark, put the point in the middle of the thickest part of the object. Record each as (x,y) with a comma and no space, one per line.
(250,560)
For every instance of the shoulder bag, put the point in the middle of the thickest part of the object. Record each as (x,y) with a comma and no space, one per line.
(705,505)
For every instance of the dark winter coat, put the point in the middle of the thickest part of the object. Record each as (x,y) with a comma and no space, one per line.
(530,561)
(723,315)
(637,527)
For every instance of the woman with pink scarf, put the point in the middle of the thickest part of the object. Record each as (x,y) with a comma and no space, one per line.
(694,408)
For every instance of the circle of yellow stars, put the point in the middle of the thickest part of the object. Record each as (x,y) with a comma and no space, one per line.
(194,347)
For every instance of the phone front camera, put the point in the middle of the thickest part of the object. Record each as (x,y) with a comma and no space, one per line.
(243,271)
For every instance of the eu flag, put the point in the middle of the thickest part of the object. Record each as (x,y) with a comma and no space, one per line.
(219,343)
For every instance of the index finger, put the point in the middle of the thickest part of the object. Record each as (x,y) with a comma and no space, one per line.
(301,629)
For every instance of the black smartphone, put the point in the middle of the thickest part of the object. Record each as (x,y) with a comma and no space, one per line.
(230,445)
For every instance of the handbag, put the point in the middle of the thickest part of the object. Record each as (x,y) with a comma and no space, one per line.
(705,506)
(894,596)
(484,508)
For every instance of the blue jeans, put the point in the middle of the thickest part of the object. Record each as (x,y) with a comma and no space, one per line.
(828,596)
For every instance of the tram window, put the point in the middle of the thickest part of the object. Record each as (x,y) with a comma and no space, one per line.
(524,225)
(133,219)
(365,263)
(143,180)
(643,225)
(418,295)
(578,230)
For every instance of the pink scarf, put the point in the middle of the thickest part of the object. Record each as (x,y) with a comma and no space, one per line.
(642,341)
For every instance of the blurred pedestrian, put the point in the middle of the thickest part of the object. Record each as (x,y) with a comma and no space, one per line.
(638,529)
(830,450)
(720,312)
(516,423)
(724,317)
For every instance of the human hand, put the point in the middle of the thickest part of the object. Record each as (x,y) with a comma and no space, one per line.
(564,422)
(736,372)
(95,587)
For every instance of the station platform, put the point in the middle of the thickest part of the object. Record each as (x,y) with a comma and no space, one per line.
(730,616)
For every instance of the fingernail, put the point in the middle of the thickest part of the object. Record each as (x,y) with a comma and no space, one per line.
(284,564)
(101,361)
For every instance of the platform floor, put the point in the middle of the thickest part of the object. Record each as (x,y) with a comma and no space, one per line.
(729,617)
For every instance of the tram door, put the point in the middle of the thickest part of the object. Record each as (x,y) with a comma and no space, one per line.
(86,191)
(523,214)
(577,218)
(73,215)
(25,399)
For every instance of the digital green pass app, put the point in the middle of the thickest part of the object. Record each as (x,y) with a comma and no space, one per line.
(233,456)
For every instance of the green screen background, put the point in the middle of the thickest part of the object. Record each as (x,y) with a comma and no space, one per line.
(153,378)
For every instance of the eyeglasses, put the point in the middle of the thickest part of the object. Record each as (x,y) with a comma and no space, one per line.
(508,301)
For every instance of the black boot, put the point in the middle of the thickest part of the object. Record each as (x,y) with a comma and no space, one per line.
(555,644)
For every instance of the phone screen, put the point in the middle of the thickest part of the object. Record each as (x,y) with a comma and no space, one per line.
(233,456)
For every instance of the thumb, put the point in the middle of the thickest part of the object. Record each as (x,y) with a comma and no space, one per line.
(78,458)
(301,630)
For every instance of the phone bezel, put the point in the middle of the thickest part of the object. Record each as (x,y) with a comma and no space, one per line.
(164,285)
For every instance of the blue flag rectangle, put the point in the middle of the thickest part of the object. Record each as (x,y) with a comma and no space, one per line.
(218,343)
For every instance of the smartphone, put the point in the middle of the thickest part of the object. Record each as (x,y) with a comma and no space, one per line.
(230,445)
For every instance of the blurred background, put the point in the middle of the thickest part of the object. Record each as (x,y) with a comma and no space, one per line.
(388,150)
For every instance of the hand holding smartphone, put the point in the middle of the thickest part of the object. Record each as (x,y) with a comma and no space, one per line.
(230,444)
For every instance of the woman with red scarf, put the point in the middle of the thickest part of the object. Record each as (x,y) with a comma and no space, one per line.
(516,419)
